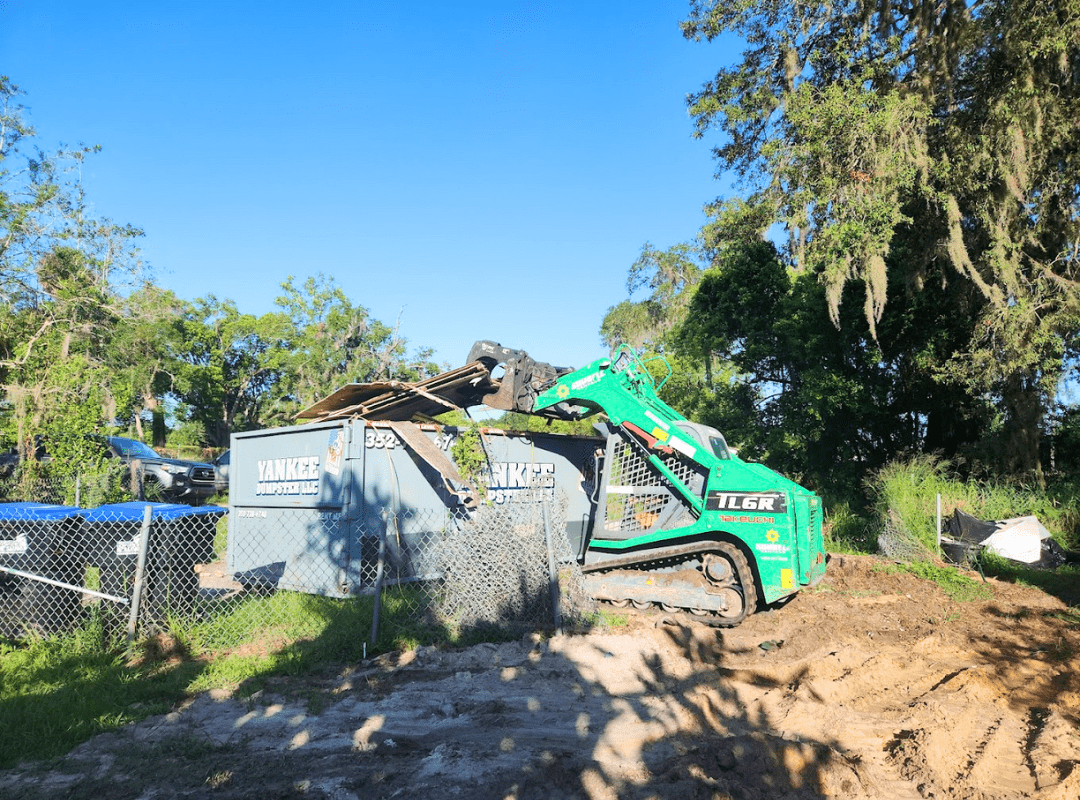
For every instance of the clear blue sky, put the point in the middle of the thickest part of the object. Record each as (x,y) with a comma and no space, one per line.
(480,169)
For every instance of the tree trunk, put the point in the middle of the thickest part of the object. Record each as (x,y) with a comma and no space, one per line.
(1024,410)
(158,425)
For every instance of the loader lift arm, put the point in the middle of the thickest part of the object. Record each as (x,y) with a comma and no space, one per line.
(534,387)
(621,387)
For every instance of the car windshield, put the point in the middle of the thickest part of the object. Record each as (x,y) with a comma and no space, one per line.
(129,448)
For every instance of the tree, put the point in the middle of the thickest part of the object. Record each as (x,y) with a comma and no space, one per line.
(669,275)
(332,342)
(948,132)
(233,371)
(824,405)
(141,357)
(61,270)
(226,367)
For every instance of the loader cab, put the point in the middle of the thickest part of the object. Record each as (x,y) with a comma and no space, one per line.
(709,438)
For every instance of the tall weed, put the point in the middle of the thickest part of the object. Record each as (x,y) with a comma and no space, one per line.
(847,532)
(905,495)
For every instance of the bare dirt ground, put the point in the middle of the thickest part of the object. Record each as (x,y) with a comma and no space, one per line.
(874,684)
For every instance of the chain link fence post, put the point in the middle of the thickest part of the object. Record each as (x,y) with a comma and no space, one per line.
(553,572)
(380,574)
(140,576)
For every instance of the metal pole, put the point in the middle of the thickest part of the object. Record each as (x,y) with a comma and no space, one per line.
(78,487)
(553,575)
(81,589)
(939,523)
(380,569)
(140,575)
(379,572)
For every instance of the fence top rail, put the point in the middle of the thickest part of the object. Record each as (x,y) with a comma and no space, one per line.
(117,512)
(133,511)
(36,511)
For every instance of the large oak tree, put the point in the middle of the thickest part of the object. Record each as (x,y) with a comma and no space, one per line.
(892,138)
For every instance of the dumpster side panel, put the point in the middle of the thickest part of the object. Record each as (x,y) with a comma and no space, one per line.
(324,536)
(407,500)
(288,500)
(565,465)
(298,467)
(404,499)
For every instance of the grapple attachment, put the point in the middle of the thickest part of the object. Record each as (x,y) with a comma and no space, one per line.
(523,378)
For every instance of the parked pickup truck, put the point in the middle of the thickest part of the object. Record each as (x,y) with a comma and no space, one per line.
(169,479)
(161,478)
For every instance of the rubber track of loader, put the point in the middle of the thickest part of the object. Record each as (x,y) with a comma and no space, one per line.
(654,560)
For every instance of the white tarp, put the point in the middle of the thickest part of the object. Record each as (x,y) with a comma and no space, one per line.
(1022,539)
(1019,539)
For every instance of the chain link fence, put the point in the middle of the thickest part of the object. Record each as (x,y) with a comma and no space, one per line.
(37,487)
(897,542)
(135,569)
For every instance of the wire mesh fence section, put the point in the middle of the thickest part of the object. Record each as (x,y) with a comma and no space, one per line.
(37,483)
(897,542)
(38,570)
(301,550)
(423,573)
(168,589)
(140,568)
(497,561)
(31,486)
(63,567)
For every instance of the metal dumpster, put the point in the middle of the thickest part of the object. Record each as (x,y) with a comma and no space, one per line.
(312,504)
(36,542)
(180,536)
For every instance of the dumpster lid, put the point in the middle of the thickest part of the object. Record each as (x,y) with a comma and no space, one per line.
(36,511)
(133,511)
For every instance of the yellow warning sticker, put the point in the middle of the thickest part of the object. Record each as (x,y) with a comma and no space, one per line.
(659,434)
(787,579)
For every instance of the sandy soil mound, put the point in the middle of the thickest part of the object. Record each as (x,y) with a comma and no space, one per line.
(874,684)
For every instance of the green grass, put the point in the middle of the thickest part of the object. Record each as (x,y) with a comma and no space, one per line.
(957,587)
(606,618)
(58,692)
(847,532)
